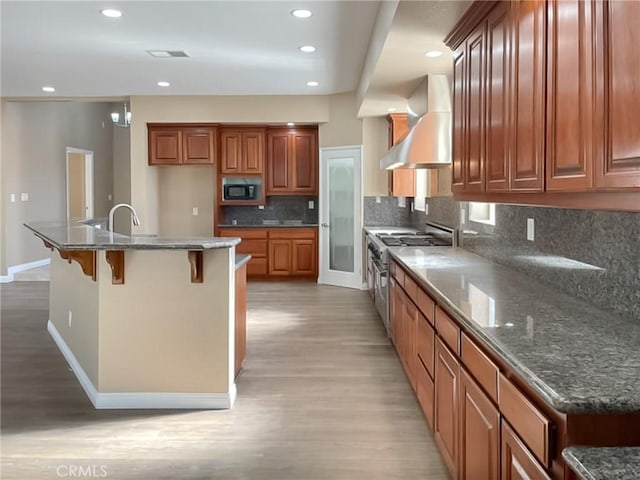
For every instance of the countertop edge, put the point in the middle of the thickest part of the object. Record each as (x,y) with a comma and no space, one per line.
(242,259)
(576,465)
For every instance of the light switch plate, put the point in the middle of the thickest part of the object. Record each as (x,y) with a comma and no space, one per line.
(109,197)
(24,197)
(463,216)
(195,210)
(12,198)
(530,229)
(402,202)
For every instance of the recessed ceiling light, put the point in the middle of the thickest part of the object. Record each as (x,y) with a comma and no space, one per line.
(301,13)
(392,109)
(48,89)
(290,124)
(312,84)
(433,53)
(111,13)
(163,84)
(307,48)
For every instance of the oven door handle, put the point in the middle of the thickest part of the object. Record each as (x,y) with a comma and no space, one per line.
(380,267)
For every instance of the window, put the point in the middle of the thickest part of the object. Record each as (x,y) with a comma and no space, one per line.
(482,213)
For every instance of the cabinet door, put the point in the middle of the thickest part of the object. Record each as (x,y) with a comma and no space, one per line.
(305,163)
(528,50)
(402,182)
(480,433)
(517,462)
(278,162)
(570,90)
(252,152)
(498,98)
(618,94)
(198,145)
(459,155)
(230,151)
(279,257)
(476,80)
(446,429)
(165,146)
(303,257)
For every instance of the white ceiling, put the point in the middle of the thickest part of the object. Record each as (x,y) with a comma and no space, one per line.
(235,48)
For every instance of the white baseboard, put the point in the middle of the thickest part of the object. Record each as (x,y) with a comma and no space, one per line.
(140,400)
(8,278)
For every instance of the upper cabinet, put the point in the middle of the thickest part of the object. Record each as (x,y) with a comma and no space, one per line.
(544,96)
(292,161)
(242,150)
(173,144)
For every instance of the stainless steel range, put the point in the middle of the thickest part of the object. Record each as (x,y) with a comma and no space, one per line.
(381,240)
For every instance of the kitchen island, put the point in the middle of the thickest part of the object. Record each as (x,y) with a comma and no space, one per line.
(144,321)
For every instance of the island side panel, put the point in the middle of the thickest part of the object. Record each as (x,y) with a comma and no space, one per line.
(73,311)
(161,333)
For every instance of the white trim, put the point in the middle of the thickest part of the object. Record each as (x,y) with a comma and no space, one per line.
(134,400)
(340,148)
(8,278)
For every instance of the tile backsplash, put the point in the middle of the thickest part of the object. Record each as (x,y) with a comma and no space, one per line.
(281,208)
(594,255)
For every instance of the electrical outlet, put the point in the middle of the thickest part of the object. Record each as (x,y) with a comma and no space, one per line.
(311,205)
(463,216)
(426,209)
(530,229)
(402,202)
(195,210)
(378,200)
(12,198)
(260,207)
(24,197)
(109,197)
(70,318)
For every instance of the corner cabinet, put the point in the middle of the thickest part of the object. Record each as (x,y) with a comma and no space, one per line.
(292,161)
(175,144)
(544,99)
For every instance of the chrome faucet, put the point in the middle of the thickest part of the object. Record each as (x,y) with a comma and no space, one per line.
(112,212)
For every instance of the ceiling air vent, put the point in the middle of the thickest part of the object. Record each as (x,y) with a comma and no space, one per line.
(168,53)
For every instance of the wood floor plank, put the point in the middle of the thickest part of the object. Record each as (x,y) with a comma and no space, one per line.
(322,396)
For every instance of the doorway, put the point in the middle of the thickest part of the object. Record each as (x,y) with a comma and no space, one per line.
(341,216)
(79,183)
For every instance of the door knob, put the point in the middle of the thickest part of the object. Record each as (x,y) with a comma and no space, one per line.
(325,225)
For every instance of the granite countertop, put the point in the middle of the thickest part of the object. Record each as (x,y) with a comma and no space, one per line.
(79,236)
(242,259)
(267,225)
(604,463)
(577,357)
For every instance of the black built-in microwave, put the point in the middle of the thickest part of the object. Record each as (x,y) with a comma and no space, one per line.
(240,192)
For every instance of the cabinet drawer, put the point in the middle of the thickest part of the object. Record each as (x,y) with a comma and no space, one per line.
(244,232)
(411,288)
(448,330)
(425,392)
(292,233)
(517,461)
(257,267)
(253,247)
(530,423)
(481,367)
(425,343)
(427,306)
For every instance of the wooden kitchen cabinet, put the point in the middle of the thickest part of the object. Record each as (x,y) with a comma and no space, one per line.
(292,161)
(480,433)
(303,257)
(181,144)
(475,104)
(242,151)
(254,243)
(280,257)
(459,128)
(517,462)
(446,416)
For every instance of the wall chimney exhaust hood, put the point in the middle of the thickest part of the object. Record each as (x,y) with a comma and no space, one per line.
(428,142)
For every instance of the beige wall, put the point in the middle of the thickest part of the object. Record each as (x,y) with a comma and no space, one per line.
(344,128)
(182,189)
(146,194)
(34,138)
(121,174)
(375,133)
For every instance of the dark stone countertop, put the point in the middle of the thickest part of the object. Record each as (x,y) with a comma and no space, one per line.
(604,463)
(577,357)
(268,225)
(79,236)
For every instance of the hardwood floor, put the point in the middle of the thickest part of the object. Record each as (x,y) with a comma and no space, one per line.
(322,396)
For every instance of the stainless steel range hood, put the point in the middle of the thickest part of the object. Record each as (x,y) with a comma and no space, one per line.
(428,142)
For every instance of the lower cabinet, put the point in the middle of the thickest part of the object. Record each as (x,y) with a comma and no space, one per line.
(480,433)
(446,416)
(517,462)
(279,257)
